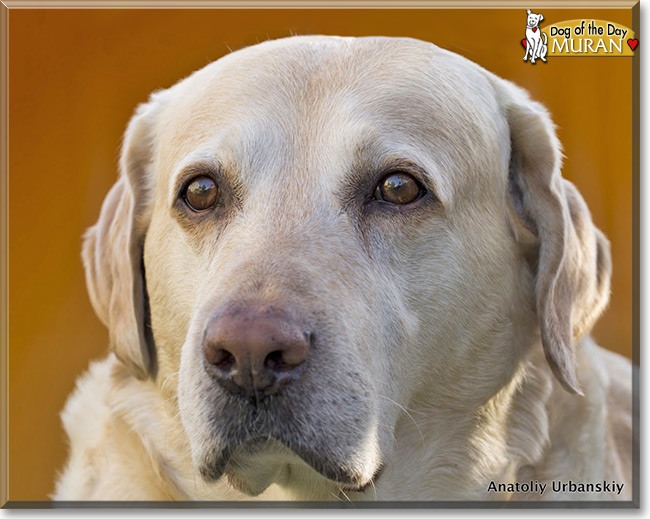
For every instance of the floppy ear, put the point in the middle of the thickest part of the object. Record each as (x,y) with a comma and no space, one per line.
(552,224)
(112,251)
(541,17)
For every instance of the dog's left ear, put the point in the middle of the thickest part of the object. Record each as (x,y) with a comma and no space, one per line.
(551,222)
(112,250)
(541,17)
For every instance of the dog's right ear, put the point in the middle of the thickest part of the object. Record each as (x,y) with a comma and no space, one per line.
(112,249)
(528,11)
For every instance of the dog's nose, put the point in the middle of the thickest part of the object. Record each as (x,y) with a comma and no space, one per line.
(254,349)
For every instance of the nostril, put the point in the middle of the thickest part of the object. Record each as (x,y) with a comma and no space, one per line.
(288,357)
(222,359)
(275,362)
(280,362)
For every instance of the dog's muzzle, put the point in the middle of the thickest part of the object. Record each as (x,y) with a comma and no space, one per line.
(275,395)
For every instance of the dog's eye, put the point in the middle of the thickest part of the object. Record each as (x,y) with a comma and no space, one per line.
(201,193)
(399,189)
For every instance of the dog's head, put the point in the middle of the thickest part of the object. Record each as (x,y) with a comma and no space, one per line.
(311,234)
(532,19)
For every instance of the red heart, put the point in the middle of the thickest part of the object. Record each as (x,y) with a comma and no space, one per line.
(524,42)
(633,43)
(534,29)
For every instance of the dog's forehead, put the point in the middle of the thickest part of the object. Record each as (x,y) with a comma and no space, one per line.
(312,95)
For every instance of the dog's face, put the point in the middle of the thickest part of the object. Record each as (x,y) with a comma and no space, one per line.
(533,19)
(312,234)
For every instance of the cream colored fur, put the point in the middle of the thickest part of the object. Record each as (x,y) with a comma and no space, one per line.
(452,336)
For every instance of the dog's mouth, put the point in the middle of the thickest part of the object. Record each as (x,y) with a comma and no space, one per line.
(253,465)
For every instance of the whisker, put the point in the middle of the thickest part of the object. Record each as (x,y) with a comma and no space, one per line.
(407,413)
(374,488)
(344,495)
(166,379)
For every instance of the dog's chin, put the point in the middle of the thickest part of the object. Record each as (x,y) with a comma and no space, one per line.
(253,474)
(254,465)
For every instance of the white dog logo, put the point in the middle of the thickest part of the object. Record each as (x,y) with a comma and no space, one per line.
(536,41)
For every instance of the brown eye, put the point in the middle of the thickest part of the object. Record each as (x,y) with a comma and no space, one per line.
(201,193)
(398,188)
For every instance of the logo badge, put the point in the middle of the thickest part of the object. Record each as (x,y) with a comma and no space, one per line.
(576,38)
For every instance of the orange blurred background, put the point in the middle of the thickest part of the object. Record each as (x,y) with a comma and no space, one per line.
(75,77)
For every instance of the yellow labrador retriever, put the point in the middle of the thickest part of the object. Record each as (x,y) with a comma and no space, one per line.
(339,268)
